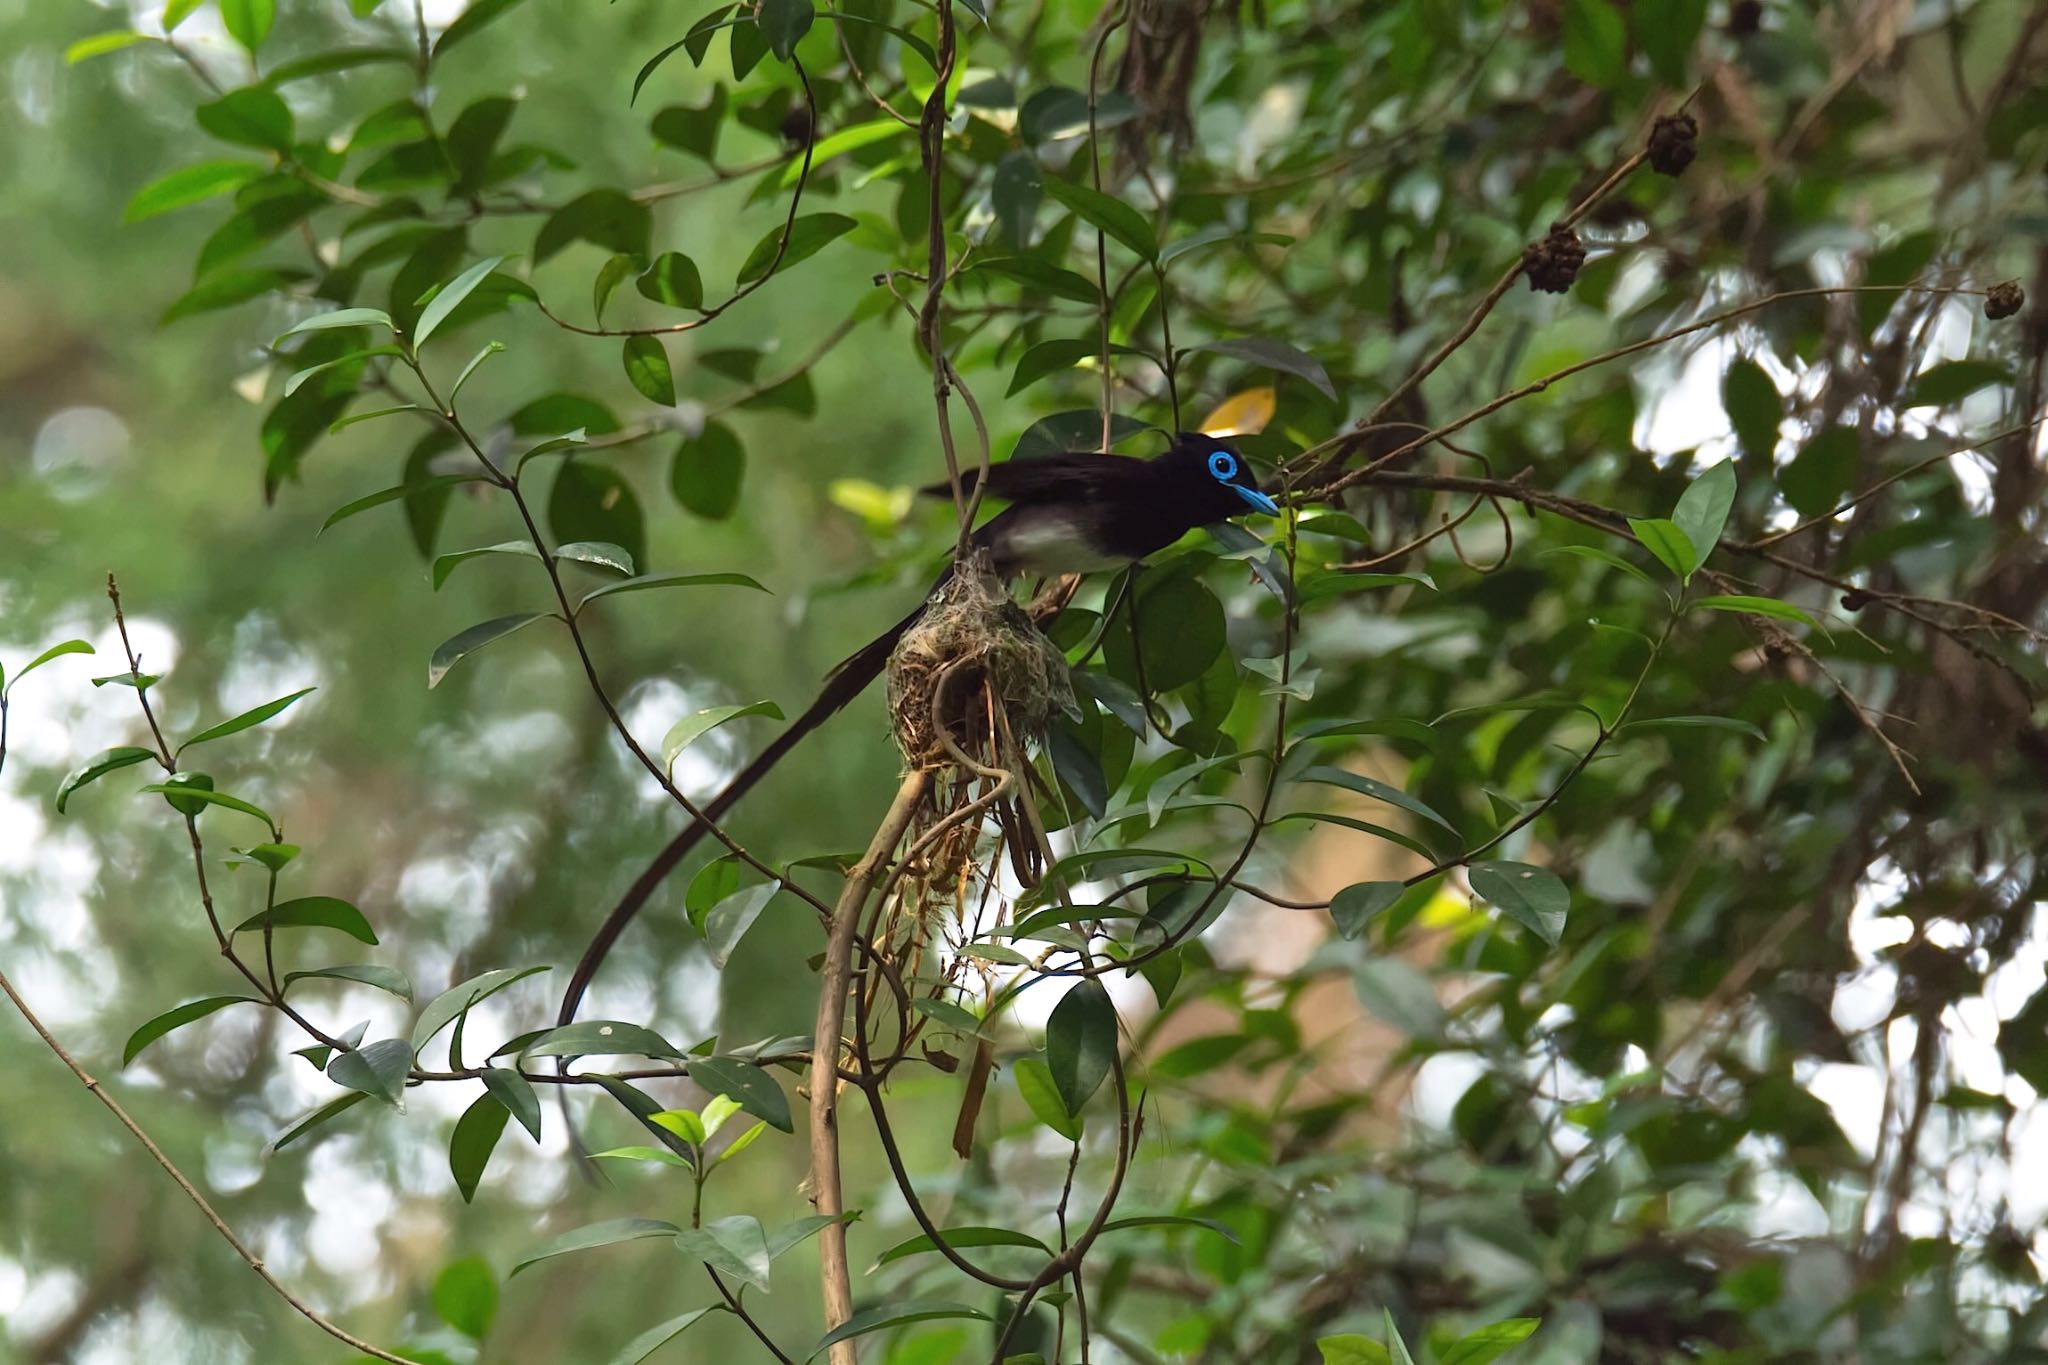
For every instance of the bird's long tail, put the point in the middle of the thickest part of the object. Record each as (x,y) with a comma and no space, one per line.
(847,680)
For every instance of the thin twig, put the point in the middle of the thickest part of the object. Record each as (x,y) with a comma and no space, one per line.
(169,1168)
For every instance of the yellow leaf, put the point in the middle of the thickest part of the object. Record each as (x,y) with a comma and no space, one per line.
(1241,414)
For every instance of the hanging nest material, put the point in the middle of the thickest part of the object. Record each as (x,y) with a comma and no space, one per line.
(979,649)
(969,686)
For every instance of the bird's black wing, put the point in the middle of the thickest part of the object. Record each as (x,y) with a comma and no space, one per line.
(1077,475)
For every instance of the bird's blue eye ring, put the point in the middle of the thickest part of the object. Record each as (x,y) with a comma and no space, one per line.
(1222,465)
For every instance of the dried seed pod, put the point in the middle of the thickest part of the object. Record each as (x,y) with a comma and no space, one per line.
(1674,142)
(2003,300)
(1553,263)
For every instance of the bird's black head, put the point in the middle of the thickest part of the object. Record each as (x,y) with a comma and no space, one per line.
(1229,488)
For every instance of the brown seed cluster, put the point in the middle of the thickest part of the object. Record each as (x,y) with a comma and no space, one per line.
(2003,300)
(1553,263)
(1674,142)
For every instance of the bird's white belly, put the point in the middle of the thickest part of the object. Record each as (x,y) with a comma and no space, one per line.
(1055,545)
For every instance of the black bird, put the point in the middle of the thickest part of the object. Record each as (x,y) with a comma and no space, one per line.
(1068,513)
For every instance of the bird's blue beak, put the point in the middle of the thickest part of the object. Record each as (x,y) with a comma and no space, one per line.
(1259,501)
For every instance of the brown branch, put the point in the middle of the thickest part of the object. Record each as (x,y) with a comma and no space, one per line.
(169,1168)
(834,1277)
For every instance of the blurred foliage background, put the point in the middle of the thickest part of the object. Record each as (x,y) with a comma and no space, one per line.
(1771,1090)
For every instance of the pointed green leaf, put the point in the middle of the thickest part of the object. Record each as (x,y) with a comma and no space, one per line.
(1528,895)
(442,304)
(1042,1096)
(660,1335)
(672,280)
(733,1246)
(1703,508)
(331,1109)
(453,650)
(367,973)
(608,1233)
(756,1090)
(395,492)
(1357,906)
(1109,215)
(808,236)
(1669,543)
(98,766)
(647,369)
(1080,1043)
(313,912)
(450,1004)
(475,1138)
(691,728)
(377,1069)
(960,1238)
(254,716)
(1758,606)
(188,185)
(176,1019)
(671,580)
(1274,355)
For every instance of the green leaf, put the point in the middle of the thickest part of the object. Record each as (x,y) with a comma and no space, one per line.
(476,1137)
(273,856)
(608,218)
(591,502)
(671,580)
(614,272)
(53,652)
(646,362)
(733,1246)
(608,1233)
(1044,278)
(1015,192)
(1530,896)
(894,1315)
(454,292)
(225,290)
(1358,905)
(1665,540)
(554,445)
(691,728)
(1595,42)
(754,1089)
(1758,606)
(1110,216)
(660,1335)
(1397,1349)
(597,554)
(254,716)
(378,1070)
(1376,789)
(672,280)
(727,922)
(1667,32)
(188,798)
(1740,727)
(794,1234)
(1274,355)
(366,973)
(100,44)
(313,912)
(1754,408)
(97,767)
(515,1092)
(395,492)
(705,476)
(1489,1342)
(331,1109)
(659,1156)
(784,23)
(1352,1349)
(845,140)
(355,417)
(446,1007)
(340,317)
(177,1019)
(466,25)
(444,565)
(1181,632)
(248,21)
(299,377)
(1173,1220)
(961,1238)
(1702,509)
(1080,1043)
(454,649)
(254,116)
(694,130)
(1042,1096)
(1816,479)
(178,11)
(1952,382)
(466,1296)
(324,63)
(1401,995)
(188,185)
(601,1038)
(1601,556)
(808,236)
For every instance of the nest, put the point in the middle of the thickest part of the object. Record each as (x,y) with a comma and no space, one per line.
(972,652)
